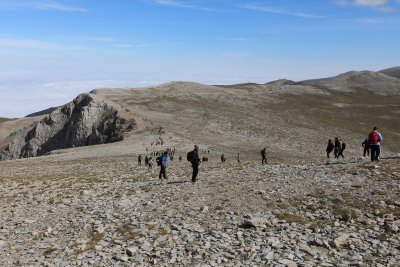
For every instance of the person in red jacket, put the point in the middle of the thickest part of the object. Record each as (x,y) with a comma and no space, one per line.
(374,140)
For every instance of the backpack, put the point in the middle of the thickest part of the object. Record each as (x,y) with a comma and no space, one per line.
(373,138)
(343,145)
(189,156)
(159,160)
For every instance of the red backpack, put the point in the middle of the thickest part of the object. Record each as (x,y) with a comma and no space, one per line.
(373,138)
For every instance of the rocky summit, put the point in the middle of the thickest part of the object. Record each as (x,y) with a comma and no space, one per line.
(73,193)
(87,120)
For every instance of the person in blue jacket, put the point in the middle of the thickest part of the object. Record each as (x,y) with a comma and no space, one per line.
(163,166)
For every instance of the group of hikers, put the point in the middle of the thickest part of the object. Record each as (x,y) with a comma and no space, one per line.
(337,147)
(192,156)
(371,147)
(371,143)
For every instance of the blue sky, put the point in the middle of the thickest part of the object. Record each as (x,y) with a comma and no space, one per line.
(52,50)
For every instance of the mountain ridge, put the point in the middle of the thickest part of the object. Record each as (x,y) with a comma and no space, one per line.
(284,115)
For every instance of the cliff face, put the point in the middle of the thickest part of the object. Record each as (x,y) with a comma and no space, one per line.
(87,120)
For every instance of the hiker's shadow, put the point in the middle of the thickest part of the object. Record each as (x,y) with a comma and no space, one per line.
(178,182)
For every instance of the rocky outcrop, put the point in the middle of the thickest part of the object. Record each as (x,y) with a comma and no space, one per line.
(87,120)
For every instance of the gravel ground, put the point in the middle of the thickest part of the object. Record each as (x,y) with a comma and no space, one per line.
(62,210)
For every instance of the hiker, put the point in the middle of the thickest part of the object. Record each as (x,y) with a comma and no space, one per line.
(238,157)
(365,145)
(374,140)
(180,158)
(329,148)
(193,157)
(146,161)
(139,160)
(337,148)
(223,159)
(150,163)
(264,156)
(342,147)
(162,162)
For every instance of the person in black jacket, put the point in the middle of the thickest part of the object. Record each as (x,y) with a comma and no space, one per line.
(195,160)
(264,156)
(330,148)
(365,145)
(337,148)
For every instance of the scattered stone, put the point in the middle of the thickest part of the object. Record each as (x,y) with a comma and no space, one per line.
(341,241)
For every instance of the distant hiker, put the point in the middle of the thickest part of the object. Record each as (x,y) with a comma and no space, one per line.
(264,156)
(180,158)
(342,147)
(329,148)
(238,157)
(146,161)
(150,163)
(337,148)
(223,159)
(162,162)
(193,157)
(139,160)
(365,145)
(374,140)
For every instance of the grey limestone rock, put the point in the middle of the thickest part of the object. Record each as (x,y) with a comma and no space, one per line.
(87,120)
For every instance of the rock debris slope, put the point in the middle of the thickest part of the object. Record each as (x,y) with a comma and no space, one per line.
(107,211)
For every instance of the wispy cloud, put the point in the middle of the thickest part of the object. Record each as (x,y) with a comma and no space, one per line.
(124,46)
(41,5)
(378,5)
(281,11)
(86,38)
(180,4)
(31,43)
(369,3)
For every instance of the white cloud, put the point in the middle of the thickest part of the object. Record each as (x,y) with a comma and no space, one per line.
(378,5)
(180,4)
(372,3)
(58,6)
(124,46)
(41,5)
(275,10)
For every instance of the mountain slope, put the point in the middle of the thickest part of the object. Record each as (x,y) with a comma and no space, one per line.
(376,82)
(394,72)
(293,120)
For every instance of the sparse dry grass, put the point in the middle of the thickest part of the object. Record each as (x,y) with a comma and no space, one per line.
(291,218)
